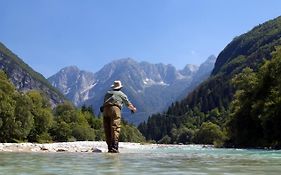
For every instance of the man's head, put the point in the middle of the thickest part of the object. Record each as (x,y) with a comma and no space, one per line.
(116,85)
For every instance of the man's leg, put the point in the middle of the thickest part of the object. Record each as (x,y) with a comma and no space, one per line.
(116,127)
(107,123)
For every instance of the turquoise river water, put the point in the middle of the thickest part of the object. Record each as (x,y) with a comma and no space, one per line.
(161,160)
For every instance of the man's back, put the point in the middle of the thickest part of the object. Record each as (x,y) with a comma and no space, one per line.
(116,97)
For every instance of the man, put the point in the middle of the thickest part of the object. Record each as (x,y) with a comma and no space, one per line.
(113,102)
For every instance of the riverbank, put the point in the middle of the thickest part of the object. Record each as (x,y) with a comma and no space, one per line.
(84,147)
(80,146)
(143,159)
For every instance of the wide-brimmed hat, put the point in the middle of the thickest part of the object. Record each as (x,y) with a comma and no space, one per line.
(117,85)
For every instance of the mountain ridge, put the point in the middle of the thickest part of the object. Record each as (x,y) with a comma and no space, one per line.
(24,77)
(208,104)
(141,80)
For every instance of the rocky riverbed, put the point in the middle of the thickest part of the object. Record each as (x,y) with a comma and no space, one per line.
(81,146)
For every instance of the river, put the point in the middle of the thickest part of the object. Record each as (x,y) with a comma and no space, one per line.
(174,159)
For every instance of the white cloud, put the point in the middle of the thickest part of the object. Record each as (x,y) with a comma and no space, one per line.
(193,52)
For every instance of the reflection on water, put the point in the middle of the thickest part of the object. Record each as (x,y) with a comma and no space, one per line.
(162,160)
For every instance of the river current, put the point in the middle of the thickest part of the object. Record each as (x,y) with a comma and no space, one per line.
(174,159)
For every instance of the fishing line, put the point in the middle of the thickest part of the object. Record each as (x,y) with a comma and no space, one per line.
(164,115)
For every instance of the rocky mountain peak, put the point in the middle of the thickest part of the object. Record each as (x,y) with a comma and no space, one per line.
(210,60)
(71,79)
(70,69)
(189,69)
(25,78)
(151,87)
(123,61)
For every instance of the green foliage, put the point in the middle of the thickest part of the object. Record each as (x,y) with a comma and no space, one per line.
(61,131)
(244,124)
(254,105)
(71,123)
(182,135)
(185,135)
(165,140)
(23,118)
(254,45)
(209,133)
(29,117)
(16,119)
(89,109)
(43,117)
(182,129)
(255,110)
(63,108)
(83,132)
(129,133)
(247,50)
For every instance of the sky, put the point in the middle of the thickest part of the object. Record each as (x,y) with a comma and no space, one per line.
(52,34)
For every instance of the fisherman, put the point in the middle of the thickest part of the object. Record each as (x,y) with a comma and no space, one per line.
(113,102)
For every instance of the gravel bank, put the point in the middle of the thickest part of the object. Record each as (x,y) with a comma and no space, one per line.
(81,146)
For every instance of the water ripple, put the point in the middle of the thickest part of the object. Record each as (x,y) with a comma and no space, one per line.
(161,160)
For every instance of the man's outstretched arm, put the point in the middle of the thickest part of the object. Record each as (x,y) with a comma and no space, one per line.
(132,107)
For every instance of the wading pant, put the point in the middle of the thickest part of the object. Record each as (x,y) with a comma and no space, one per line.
(112,125)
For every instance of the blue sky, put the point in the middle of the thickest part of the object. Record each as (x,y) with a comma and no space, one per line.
(51,34)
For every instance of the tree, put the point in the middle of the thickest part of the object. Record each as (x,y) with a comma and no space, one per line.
(209,133)
(24,120)
(270,102)
(165,140)
(255,111)
(72,124)
(185,135)
(43,117)
(15,116)
(244,128)
(7,107)
(129,133)
(61,131)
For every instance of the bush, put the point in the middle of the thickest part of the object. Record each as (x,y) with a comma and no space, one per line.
(44,138)
(61,131)
(130,133)
(165,140)
(83,133)
(209,133)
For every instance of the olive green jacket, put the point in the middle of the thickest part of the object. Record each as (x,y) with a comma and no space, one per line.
(117,98)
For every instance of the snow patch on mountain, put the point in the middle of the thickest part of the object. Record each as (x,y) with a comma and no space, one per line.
(151,87)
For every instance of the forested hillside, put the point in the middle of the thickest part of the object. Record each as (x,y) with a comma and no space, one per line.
(256,109)
(204,116)
(29,117)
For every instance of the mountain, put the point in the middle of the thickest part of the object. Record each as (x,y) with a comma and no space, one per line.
(205,69)
(151,87)
(75,84)
(24,77)
(203,72)
(210,101)
(247,50)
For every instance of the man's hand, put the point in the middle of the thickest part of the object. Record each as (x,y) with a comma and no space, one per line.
(132,108)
